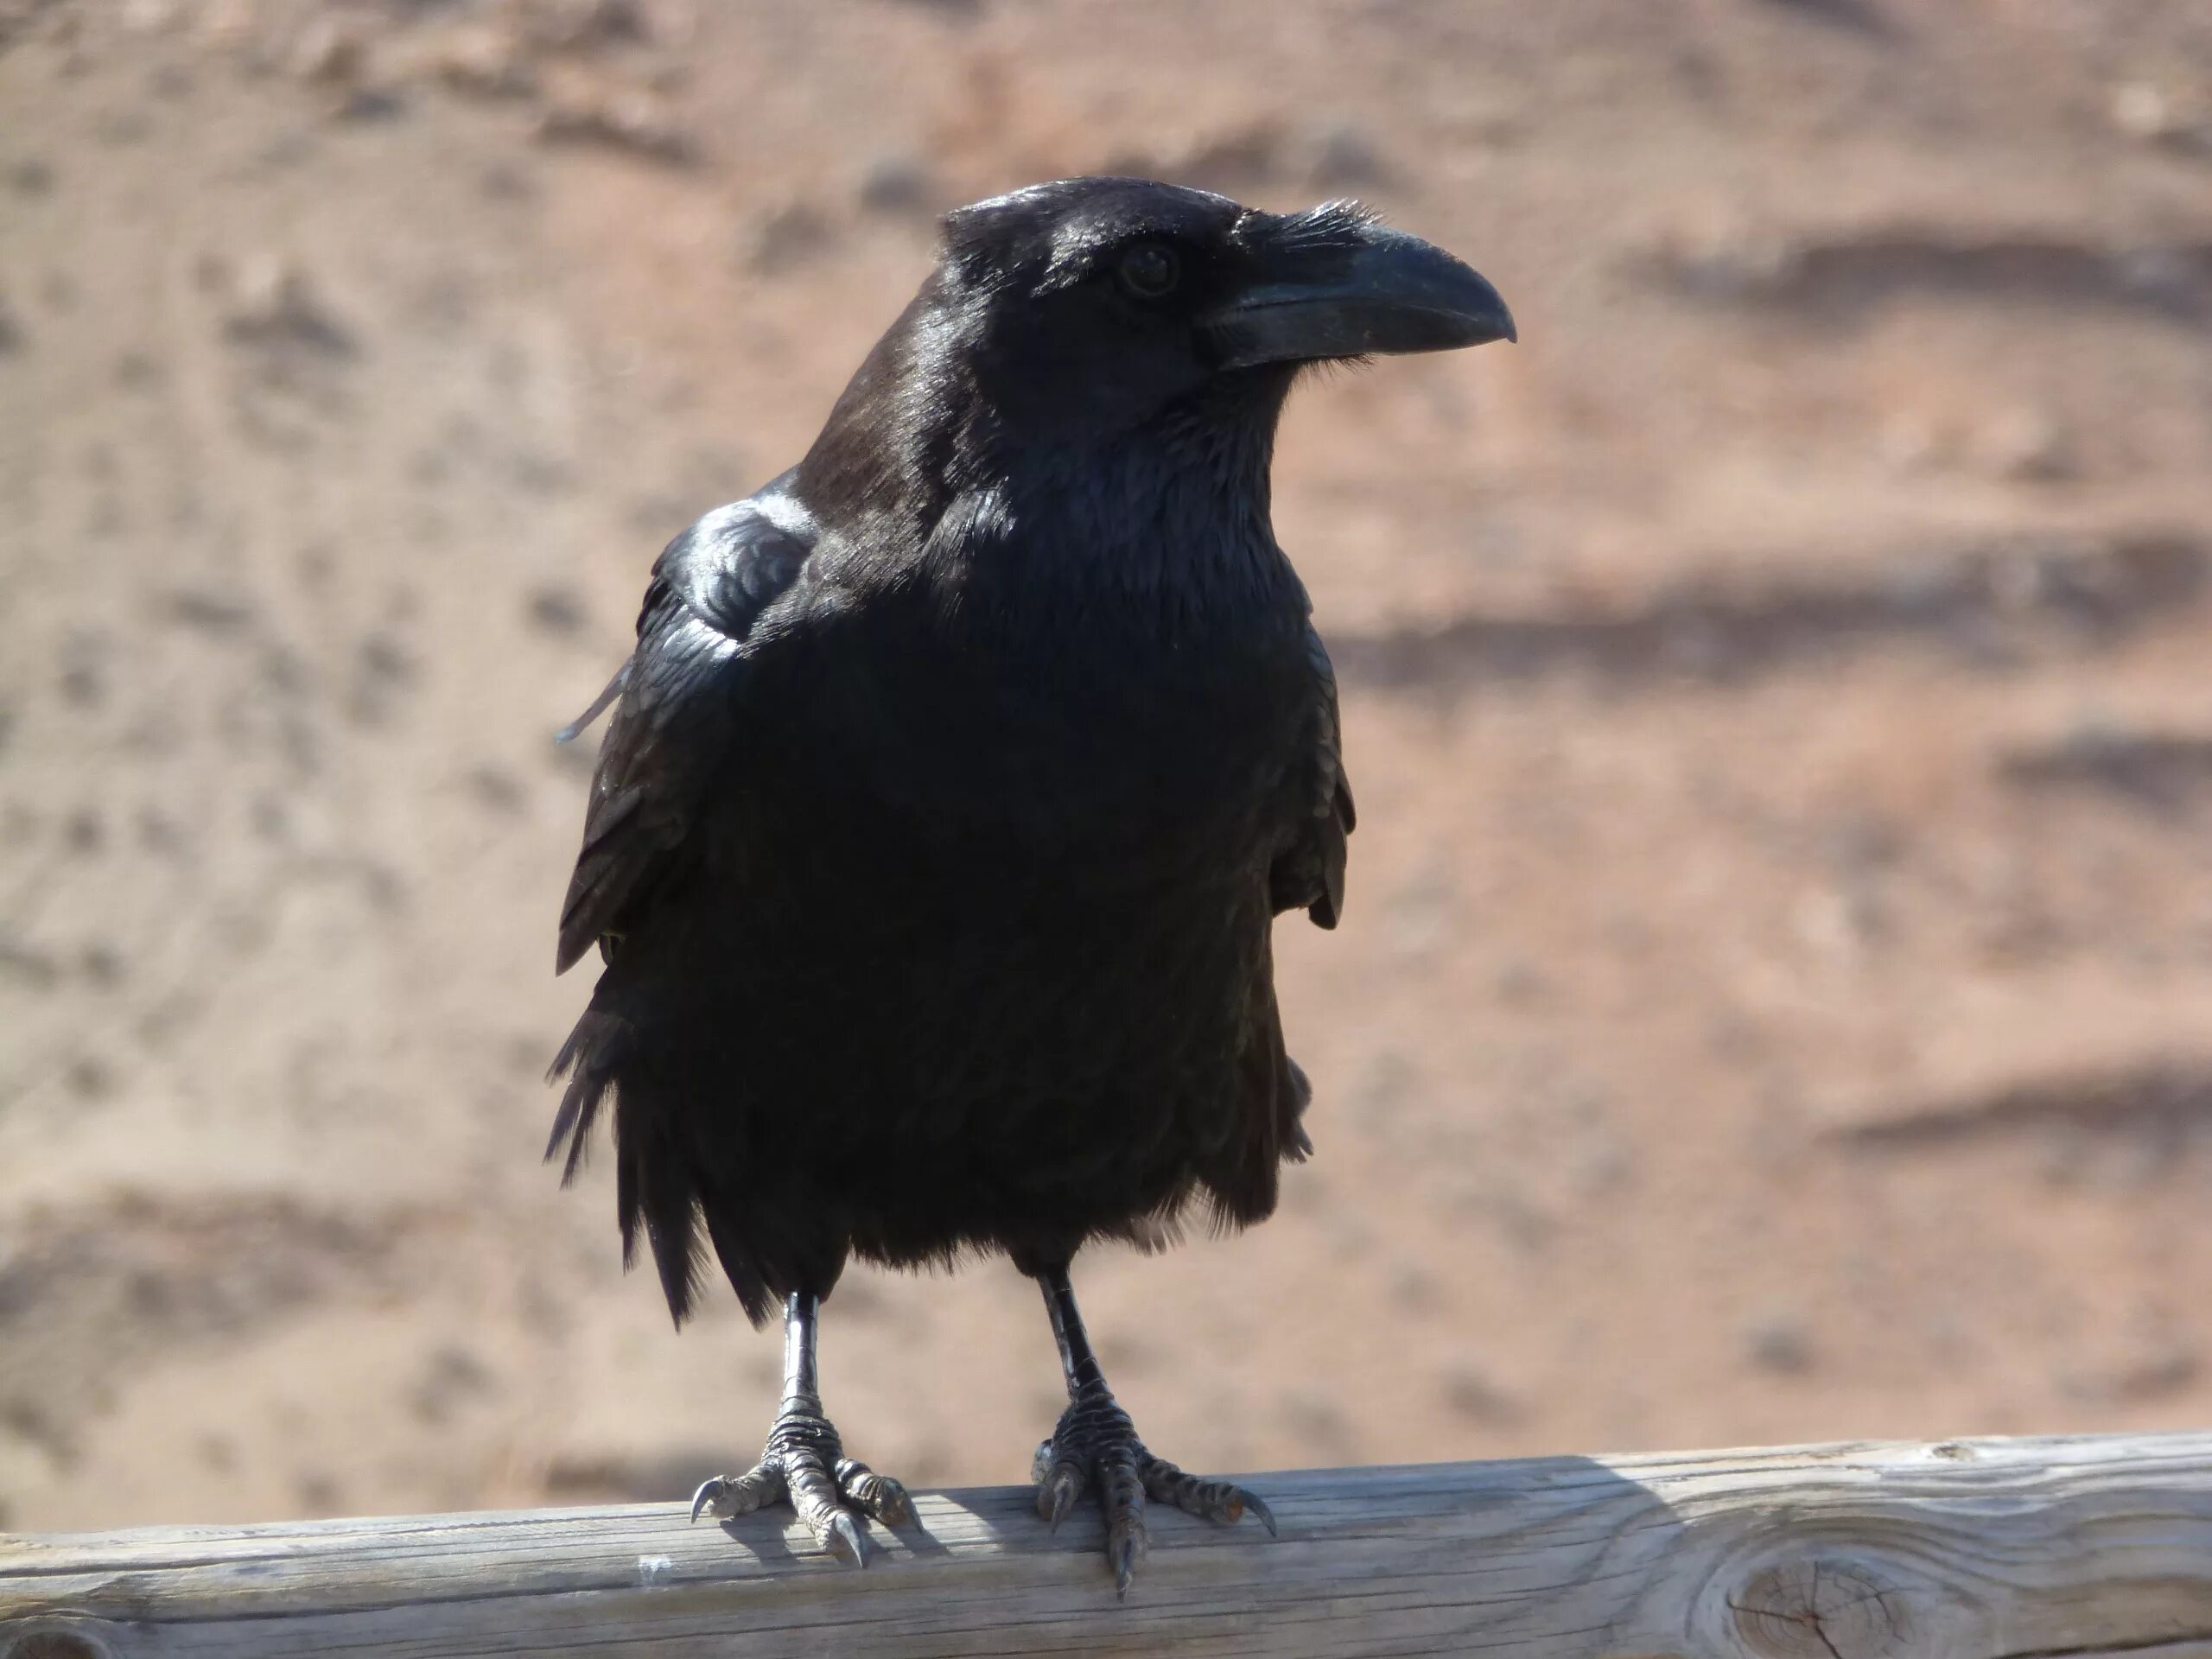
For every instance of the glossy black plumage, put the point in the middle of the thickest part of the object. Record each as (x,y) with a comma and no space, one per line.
(959,773)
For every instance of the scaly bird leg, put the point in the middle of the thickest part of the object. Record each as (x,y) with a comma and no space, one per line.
(805,1464)
(1095,1446)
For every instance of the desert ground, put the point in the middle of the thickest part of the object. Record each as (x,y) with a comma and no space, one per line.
(1775,1001)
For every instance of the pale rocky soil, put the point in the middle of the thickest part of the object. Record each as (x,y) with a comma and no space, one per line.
(1775,1002)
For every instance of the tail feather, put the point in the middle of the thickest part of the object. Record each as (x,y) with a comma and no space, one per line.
(1297,1145)
(1246,1182)
(587,1059)
(740,1264)
(655,1187)
(661,1191)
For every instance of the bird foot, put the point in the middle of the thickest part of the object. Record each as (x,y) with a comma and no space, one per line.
(805,1465)
(1095,1448)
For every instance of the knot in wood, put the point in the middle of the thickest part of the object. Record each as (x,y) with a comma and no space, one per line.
(1821,1607)
(51,1643)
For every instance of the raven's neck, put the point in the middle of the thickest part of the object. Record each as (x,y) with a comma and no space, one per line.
(1158,533)
(1172,515)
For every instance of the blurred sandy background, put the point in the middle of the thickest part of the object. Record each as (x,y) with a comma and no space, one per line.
(1775,1001)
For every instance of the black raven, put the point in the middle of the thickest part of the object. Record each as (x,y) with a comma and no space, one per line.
(953,787)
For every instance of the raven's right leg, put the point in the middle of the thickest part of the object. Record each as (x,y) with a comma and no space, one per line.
(1095,1448)
(805,1464)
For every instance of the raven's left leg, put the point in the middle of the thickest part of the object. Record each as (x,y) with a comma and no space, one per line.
(805,1464)
(1095,1446)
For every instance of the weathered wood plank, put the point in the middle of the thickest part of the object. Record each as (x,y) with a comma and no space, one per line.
(1972,1549)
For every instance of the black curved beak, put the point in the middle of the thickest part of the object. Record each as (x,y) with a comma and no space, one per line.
(1372,289)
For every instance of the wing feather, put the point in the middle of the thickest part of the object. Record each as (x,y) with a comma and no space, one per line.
(677,703)
(1309,873)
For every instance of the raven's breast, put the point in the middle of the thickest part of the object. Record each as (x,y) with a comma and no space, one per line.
(985,957)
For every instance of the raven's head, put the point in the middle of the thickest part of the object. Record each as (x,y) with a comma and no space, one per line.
(1067,318)
(1107,299)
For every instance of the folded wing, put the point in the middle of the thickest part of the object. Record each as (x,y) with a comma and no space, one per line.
(1309,873)
(677,702)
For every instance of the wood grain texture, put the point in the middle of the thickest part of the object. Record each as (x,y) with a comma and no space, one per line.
(1970,1550)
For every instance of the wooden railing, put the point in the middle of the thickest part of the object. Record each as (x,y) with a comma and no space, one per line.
(1969,1549)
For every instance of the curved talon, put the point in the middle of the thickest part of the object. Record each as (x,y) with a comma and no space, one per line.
(1096,1449)
(729,1496)
(1125,1561)
(843,1538)
(1057,1496)
(1260,1512)
(805,1469)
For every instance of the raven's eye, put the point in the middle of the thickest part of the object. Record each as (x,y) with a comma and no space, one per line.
(1149,271)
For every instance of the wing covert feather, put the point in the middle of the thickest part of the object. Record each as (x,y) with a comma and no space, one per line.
(677,703)
(1309,873)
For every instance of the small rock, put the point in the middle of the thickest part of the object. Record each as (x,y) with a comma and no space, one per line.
(1603,1167)
(896,184)
(2170,278)
(1319,1422)
(317,1493)
(1242,156)
(1778,1344)
(366,103)
(272,301)
(88,1078)
(1467,1393)
(1520,981)
(1859,841)
(209,611)
(2027,446)
(2150,115)
(479,57)
(383,670)
(450,1376)
(1344,158)
(330,51)
(121,127)
(783,237)
(26,962)
(384,660)
(503,182)
(619,117)
(1837,923)
(218,1451)
(228,24)
(1415,1289)
(137,370)
(32,176)
(1725,260)
(160,833)
(84,672)
(555,610)
(497,788)
(570,25)
(1909,443)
